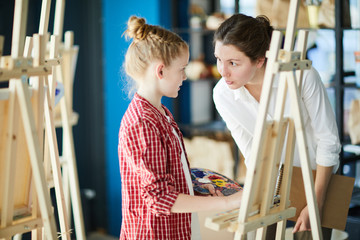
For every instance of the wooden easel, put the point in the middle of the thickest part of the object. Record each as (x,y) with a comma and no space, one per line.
(51,145)
(66,119)
(19,104)
(258,209)
(30,209)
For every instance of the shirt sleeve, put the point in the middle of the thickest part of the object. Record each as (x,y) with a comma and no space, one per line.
(149,159)
(322,120)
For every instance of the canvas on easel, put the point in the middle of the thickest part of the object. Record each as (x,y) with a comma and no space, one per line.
(259,207)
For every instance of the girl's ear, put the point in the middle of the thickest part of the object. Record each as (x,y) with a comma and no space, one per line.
(260,62)
(159,70)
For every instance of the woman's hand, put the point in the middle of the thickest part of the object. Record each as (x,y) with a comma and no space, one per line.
(303,221)
(322,179)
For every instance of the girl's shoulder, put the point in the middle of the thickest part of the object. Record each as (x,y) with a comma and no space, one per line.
(139,112)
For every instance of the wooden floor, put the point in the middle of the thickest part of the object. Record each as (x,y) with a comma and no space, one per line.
(100,236)
(337,235)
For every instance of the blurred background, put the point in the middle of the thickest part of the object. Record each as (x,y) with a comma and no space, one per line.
(100,96)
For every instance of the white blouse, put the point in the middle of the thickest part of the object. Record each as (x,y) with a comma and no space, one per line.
(239,110)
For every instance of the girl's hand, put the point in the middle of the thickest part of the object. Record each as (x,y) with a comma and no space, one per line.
(234,200)
(212,191)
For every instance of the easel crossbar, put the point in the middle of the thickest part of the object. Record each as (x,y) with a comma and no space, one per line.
(291,66)
(18,74)
(256,222)
(20,228)
(229,219)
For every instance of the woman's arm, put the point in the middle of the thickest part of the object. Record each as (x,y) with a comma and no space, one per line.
(187,203)
(324,131)
(322,179)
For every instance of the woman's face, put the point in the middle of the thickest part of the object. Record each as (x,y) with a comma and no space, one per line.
(174,75)
(234,66)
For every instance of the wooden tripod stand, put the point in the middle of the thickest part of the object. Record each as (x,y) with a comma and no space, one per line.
(25,202)
(25,208)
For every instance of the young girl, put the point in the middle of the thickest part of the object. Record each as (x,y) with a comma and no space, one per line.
(240,46)
(157,194)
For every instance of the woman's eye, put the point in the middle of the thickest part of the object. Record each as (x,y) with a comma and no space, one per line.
(233,64)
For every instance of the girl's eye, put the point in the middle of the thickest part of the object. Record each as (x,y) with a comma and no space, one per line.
(233,64)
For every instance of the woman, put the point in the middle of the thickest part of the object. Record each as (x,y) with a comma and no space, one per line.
(241,43)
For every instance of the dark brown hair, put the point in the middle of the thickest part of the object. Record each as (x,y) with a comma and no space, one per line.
(250,35)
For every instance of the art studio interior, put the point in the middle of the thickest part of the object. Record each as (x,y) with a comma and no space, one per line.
(65,93)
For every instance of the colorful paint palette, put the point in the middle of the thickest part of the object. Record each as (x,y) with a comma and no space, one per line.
(201,176)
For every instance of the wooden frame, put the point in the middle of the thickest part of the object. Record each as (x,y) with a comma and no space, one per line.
(66,118)
(19,105)
(258,208)
(30,208)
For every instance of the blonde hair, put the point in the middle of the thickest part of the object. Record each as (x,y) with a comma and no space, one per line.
(150,43)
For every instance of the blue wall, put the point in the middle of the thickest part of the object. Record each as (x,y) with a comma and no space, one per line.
(115,16)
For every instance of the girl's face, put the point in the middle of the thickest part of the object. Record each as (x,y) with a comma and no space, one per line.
(174,75)
(234,66)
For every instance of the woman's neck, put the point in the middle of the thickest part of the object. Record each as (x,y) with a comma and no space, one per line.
(255,90)
(255,86)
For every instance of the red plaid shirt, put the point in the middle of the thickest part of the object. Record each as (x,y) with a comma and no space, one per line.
(151,174)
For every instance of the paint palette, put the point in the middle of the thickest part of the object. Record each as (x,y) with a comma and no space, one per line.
(201,176)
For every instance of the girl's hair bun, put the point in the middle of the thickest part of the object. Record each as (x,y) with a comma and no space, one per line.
(137,28)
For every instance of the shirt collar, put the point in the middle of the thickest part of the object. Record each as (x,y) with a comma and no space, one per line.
(241,94)
(155,110)
(148,104)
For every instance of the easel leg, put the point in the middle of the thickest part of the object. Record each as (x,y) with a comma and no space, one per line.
(239,236)
(66,184)
(55,162)
(10,167)
(36,160)
(38,97)
(304,158)
(280,230)
(287,174)
(73,176)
